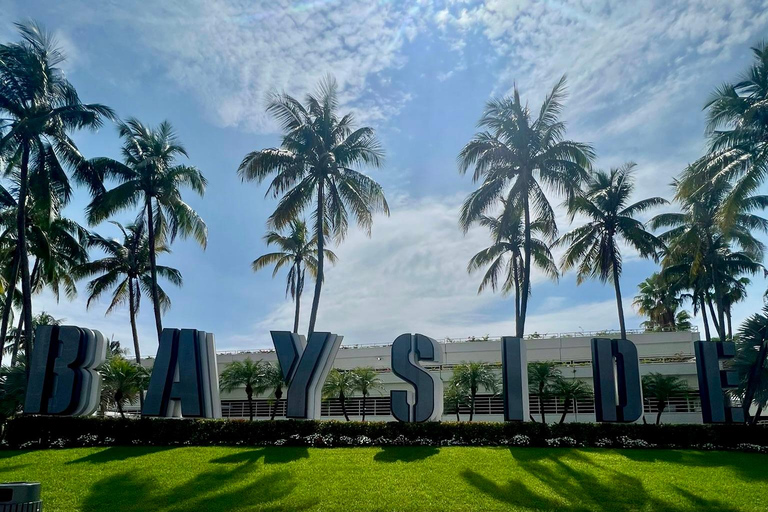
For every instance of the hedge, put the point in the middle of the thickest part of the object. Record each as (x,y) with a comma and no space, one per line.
(51,432)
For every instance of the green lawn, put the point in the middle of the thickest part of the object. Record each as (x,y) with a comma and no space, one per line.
(404,478)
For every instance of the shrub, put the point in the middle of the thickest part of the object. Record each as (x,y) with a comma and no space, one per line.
(31,432)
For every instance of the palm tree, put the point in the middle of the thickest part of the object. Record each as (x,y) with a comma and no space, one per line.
(735,292)
(365,380)
(13,389)
(315,163)
(515,158)
(298,250)
(698,246)
(593,247)
(505,256)
(123,382)
(738,131)
(570,392)
(661,388)
(683,321)
(339,385)
(40,108)
(150,176)
(248,374)
(273,378)
(454,397)
(750,363)
(125,269)
(541,376)
(471,376)
(659,300)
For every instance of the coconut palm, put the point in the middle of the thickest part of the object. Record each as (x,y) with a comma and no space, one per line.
(593,247)
(123,382)
(151,177)
(683,321)
(658,300)
(738,131)
(273,378)
(504,258)
(516,158)
(570,392)
(315,164)
(471,376)
(541,377)
(366,380)
(125,271)
(661,388)
(299,250)
(339,385)
(750,363)
(735,291)
(40,108)
(248,374)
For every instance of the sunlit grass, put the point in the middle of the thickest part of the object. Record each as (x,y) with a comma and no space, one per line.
(404,478)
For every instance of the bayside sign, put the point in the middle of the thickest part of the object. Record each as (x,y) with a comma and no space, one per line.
(63,379)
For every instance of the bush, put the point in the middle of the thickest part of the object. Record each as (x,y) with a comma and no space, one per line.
(65,432)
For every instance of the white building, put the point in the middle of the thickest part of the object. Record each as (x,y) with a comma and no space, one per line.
(669,353)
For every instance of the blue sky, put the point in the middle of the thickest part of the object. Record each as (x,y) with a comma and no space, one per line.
(420,73)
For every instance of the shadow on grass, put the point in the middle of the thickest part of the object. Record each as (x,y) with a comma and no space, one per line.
(211,491)
(750,466)
(272,455)
(405,453)
(569,481)
(120,453)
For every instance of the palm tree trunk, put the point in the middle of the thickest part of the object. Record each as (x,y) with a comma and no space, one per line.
(707,335)
(719,303)
(567,406)
(516,280)
(343,401)
(661,407)
(298,301)
(520,326)
(250,405)
(541,404)
(17,340)
(472,405)
(21,237)
(153,266)
(8,305)
(728,317)
(714,319)
(619,305)
(320,256)
(365,396)
(134,332)
(756,417)
(278,395)
(458,418)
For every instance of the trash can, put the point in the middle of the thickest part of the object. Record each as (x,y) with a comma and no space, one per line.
(20,497)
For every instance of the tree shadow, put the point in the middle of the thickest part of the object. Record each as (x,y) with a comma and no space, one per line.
(271,455)
(405,453)
(211,491)
(12,467)
(750,466)
(120,453)
(570,482)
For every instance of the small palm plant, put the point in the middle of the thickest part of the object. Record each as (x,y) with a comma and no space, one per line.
(248,374)
(471,377)
(366,380)
(273,378)
(123,382)
(570,391)
(13,389)
(542,375)
(339,385)
(454,397)
(661,388)
(298,250)
(593,248)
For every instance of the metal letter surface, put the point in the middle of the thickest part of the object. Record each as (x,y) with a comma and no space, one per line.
(63,379)
(305,367)
(623,383)
(715,407)
(425,402)
(184,379)
(514,369)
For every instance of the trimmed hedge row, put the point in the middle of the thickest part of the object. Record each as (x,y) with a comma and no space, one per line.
(47,432)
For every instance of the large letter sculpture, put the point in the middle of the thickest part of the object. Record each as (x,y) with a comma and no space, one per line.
(715,408)
(629,406)
(514,369)
(425,403)
(305,367)
(185,379)
(62,372)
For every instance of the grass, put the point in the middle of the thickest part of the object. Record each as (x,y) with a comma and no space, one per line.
(218,479)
